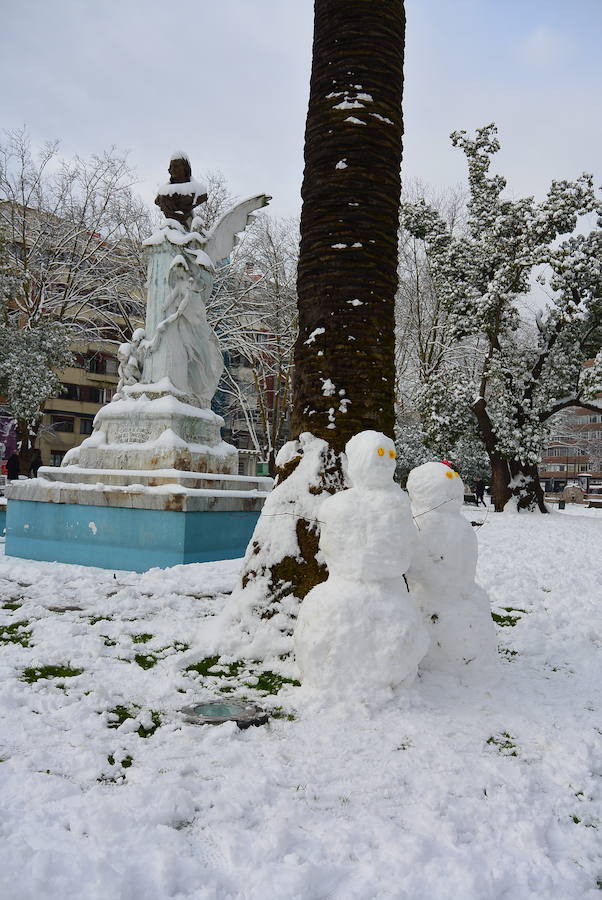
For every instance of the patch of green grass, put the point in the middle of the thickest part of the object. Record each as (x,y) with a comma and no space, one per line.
(505,651)
(210,662)
(271,682)
(508,620)
(94,619)
(141,638)
(30,675)
(12,606)
(504,743)
(279,713)
(265,682)
(146,661)
(505,621)
(122,714)
(108,642)
(15,634)
(125,763)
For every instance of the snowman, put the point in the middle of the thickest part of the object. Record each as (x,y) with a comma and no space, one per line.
(441,577)
(360,634)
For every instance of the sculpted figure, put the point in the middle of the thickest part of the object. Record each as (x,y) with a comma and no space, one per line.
(130,356)
(180,345)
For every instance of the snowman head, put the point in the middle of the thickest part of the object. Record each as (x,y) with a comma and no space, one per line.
(435,485)
(371,460)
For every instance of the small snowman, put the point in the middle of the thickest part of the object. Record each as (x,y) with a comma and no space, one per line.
(441,577)
(360,634)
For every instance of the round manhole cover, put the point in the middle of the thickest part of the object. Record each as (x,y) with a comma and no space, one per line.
(216,713)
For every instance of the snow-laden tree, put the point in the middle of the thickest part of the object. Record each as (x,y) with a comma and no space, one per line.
(527,373)
(467,454)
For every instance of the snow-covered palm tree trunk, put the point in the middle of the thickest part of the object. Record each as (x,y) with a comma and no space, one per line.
(347,276)
(344,375)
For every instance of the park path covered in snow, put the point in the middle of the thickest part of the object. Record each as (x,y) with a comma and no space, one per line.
(474,792)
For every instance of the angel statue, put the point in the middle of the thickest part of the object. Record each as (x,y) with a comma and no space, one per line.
(179,344)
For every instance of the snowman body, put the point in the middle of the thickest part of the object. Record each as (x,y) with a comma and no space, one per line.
(442,575)
(360,634)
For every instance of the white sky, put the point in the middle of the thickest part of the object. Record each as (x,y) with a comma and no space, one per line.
(228,83)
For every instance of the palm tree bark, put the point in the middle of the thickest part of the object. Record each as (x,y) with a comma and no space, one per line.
(347,275)
(344,374)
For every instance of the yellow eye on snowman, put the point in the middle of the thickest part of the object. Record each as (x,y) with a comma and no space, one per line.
(392,454)
(449,474)
(381,451)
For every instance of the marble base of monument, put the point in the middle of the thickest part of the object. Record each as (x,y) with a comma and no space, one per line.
(154,427)
(133,520)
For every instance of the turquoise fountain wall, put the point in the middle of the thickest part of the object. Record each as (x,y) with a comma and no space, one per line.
(122,538)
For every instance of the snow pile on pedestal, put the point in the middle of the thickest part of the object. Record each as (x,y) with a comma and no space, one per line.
(456,610)
(360,635)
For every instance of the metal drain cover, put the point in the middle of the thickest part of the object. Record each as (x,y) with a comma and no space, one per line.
(216,713)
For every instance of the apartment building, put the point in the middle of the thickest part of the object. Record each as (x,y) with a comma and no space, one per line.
(574,452)
(88,385)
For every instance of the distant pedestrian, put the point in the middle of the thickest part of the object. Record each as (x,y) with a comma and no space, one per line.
(35,463)
(13,467)
(479,490)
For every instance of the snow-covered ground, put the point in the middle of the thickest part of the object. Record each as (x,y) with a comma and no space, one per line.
(464,792)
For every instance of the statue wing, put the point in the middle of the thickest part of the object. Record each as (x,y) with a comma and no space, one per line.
(222,237)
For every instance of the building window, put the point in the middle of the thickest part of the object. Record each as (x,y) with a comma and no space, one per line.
(71,391)
(108,394)
(111,365)
(56,457)
(90,394)
(63,423)
(86,426)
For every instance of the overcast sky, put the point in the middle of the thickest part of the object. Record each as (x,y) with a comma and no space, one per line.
(227,82)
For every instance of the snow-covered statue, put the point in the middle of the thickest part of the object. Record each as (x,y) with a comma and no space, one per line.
(360,634)
(131,359)
(180,345)
(161,416)
(456,610)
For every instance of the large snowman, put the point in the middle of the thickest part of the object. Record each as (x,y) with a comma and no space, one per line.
(360,634)
(441,576)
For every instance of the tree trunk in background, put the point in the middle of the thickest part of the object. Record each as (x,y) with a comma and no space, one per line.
(344,376)
(526,486)
(347,277)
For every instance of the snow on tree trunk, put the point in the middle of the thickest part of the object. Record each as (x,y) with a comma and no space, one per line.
(347,278)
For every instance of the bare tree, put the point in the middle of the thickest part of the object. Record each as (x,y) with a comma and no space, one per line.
(73,230)
(264,332)
(72,234)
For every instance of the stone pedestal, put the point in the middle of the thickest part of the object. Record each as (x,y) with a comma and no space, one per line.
(155,427)
(135,519)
